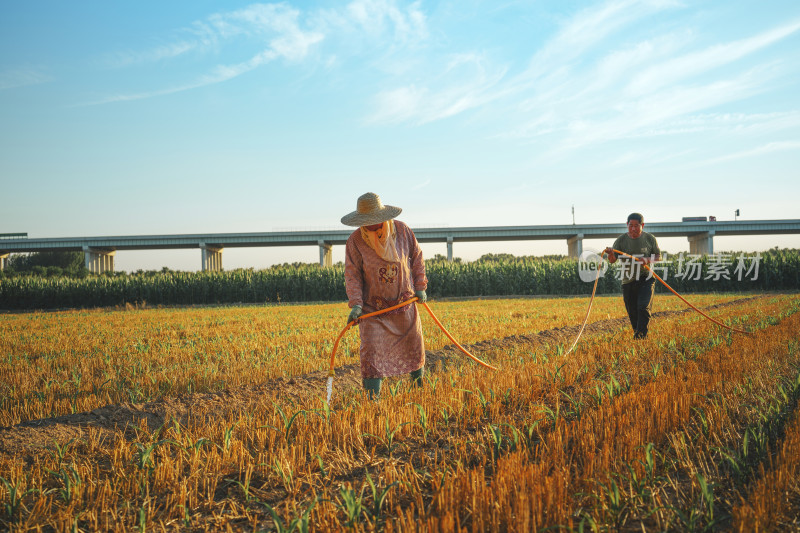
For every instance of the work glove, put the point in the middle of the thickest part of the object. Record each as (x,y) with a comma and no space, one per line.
(355,312)
(422,296)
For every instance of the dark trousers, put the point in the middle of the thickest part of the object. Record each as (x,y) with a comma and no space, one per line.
(638,296)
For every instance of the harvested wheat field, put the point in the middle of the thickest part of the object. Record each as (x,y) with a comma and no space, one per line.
(209,419)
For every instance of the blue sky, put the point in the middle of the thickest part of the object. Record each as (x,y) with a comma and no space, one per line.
(197,116)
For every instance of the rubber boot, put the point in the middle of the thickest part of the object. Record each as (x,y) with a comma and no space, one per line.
(416,376)
(373,387)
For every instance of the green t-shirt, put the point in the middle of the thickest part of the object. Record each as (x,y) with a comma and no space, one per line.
(643,246)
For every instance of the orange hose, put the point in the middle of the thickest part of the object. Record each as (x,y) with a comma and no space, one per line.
(331,372)
(487,365)
(681,297)
(362,317)
(586,318)
(659,279)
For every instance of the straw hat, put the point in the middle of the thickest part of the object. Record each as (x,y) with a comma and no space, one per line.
(370,210)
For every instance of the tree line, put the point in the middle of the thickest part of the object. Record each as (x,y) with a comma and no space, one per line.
(775,270)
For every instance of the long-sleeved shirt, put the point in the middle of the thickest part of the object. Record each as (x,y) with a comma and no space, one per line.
(391,343)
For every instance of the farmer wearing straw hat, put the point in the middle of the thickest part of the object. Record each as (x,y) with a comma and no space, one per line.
(638,287)
(384,267)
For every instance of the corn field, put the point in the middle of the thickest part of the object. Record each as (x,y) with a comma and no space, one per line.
(777,270)
(214,419)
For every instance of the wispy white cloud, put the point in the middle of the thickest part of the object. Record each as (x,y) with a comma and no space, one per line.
(276,26)
(168,51)
(620,63)
(381,17)
(583,33)
(464,82)
(769,148)
(281,31)
(22,77)
(735,123)
(645,115)
(645,88)
(421,185)
(580,88)
(596,79)
(398,105)
(702,62)
(446,94)
(217,75)
(384,36)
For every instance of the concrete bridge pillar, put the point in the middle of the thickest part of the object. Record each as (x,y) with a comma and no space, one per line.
(3,260)
(702,243)
(211,257)
(325,253)
(450,249)
(575,245)
(98,260)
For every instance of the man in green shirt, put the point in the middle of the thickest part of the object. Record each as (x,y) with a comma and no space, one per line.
(638,284)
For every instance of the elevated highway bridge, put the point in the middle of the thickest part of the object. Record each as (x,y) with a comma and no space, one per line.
(99,251)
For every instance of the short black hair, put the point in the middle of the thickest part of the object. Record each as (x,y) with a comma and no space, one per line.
(635,216)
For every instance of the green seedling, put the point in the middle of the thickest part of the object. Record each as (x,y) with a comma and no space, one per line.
(378,498)
(70,480)
(423,421)
(15,497)
(59,452)
(388,437)
(299,523)
(351,504)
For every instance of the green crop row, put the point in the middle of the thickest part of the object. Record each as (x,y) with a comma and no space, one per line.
(771,271)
